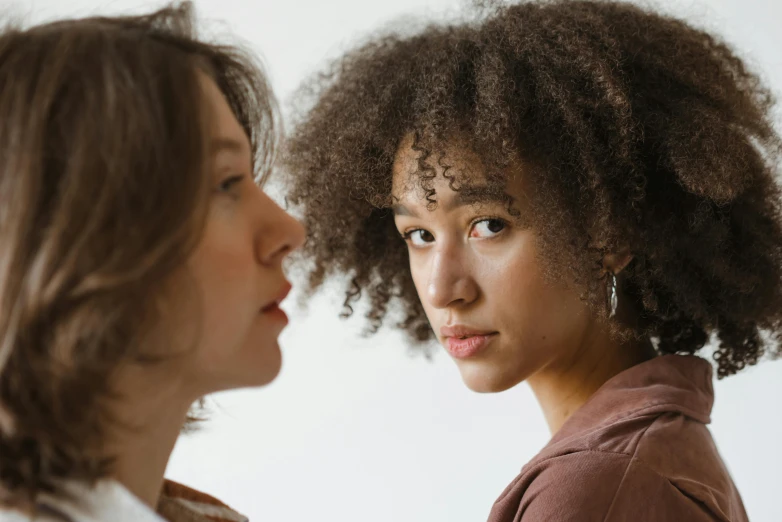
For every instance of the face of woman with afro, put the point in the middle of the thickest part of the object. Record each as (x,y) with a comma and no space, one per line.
(480,275)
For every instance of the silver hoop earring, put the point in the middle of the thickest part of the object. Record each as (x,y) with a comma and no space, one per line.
(613,299)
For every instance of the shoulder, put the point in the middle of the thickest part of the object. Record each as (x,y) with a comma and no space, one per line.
(43,515)
(105,500)
(13,516)
(595,485)
(179,502)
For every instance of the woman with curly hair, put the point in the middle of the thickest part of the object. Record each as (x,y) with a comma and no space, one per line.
(141,265)
(586,198)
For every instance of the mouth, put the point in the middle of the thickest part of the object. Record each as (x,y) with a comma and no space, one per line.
(460,331)
(463,342)
(274,305)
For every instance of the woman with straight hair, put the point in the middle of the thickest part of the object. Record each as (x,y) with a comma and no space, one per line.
(140,261)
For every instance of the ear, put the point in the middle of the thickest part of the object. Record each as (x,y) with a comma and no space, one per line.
(615,262)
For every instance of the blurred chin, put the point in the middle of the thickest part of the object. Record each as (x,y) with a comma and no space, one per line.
(268,367)
(250,370)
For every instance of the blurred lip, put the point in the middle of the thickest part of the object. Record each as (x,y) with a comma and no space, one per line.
(281,295)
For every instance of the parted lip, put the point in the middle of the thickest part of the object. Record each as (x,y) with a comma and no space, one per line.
(281,295)
(461,331)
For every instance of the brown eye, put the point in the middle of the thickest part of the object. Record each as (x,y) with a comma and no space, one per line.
(419,237)
(487,228)
(495,225)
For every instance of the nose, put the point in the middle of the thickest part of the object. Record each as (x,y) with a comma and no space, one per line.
(279,235)
(450,282)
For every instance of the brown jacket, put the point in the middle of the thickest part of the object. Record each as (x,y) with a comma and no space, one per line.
(638,450)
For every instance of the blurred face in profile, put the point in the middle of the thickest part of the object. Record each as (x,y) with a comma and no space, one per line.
(479,274)
(236,269)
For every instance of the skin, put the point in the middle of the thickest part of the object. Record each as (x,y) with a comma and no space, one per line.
(214,323)
(476,265)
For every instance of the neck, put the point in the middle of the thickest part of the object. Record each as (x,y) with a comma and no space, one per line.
(564,387)
(150,423)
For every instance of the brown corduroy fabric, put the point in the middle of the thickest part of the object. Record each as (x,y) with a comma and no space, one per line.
(638,450)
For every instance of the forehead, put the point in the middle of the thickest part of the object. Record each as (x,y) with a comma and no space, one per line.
(225,127)
(455,158)
(455,165)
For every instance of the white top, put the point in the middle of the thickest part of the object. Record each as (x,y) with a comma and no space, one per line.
(108,500)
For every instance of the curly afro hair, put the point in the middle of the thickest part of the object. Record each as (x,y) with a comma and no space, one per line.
(646,133)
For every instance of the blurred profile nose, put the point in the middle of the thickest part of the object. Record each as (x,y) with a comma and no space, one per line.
(280,234)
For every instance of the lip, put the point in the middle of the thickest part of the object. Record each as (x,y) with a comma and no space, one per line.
(274,304)
(463,341)
(460,330)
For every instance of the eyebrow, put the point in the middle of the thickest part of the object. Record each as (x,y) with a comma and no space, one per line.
(227,144)
(465,196)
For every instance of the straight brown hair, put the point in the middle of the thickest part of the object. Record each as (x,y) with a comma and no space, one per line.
(103,193)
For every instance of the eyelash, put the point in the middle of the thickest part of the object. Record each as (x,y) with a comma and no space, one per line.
(408,233)
(490,218)
(228,183)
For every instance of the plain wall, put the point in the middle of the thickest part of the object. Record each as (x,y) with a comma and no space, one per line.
(357,430)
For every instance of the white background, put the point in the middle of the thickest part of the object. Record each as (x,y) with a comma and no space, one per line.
(358,430)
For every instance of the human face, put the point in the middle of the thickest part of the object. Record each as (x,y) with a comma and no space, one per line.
(237,268)
(480,276)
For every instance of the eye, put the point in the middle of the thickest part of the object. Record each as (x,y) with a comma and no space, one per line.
(487,228)
(228,183)
(418,237)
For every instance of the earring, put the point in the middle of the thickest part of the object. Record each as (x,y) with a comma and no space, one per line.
(613,299)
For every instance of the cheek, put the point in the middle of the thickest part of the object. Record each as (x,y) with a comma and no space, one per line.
(420,273)
(224,271)
(225,275)
(512,275)
(538,312)
(419,276)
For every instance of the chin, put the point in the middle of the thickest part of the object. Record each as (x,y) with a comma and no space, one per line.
(267,369)
(482,378)
(254,370)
